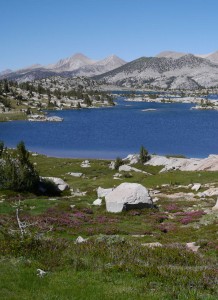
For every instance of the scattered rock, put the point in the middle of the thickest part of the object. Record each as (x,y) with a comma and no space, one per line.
(215,206)
(35,154)
(97,202)
(103,192)
(192,246)
(211,192)
(85,164)
(155,199)
(132,158)
(153,192)
(41,273)
(152,245)
(126,168)
(138,235)
(54,119)
(77,193)
(196,187)
(201,195)
(112,165)
(80,240)
(42,118)
(75,174)
(180,196)
(117,175)
(127,196)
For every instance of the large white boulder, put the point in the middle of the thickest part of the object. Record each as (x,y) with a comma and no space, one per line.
(127,196)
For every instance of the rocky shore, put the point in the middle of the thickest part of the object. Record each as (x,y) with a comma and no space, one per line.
(201,102)
(42,118)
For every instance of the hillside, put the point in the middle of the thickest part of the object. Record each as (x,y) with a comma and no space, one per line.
(186,72)
(168,251)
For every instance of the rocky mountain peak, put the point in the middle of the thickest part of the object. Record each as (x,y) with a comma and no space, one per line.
(112,60)
(171,54)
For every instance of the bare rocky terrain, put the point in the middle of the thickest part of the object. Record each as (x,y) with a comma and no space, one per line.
(185,72)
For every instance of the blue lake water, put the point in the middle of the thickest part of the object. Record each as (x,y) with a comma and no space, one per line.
(120,130)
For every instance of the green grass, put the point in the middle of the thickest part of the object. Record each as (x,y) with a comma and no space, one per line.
(112,264)
(16,116)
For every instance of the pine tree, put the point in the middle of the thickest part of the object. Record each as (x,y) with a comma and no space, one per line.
(143,155)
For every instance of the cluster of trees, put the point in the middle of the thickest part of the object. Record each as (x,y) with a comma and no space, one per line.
(17,173)
(80,92)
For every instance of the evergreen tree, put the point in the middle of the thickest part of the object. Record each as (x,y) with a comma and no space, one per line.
(17,173)
(87,101)
(143,155)
(6,87)
(118,162)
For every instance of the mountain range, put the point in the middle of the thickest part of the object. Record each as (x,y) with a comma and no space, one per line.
(168,69)
(76,65)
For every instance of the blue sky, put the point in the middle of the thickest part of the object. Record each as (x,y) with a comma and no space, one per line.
(43,31)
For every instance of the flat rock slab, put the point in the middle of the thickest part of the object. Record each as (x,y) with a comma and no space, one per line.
(74,174)
(210,192)
(185,164)
(126,168)
(192,246)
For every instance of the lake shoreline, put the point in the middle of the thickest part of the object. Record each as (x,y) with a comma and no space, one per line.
(106,133)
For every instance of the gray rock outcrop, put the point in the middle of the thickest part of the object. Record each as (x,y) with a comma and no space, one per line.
(185,164)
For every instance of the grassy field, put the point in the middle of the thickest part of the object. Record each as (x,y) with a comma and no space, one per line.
(15,116)
(114,262)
